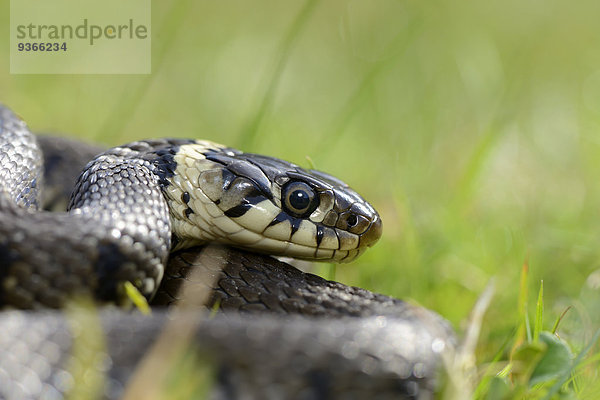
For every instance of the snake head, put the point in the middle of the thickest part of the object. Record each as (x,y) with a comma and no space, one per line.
(266,204)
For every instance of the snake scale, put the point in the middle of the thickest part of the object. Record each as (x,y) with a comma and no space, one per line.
(147,215)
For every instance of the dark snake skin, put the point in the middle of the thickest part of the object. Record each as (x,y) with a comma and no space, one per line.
(281,333)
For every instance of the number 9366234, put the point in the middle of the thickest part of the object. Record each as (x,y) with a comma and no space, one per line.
(43,46)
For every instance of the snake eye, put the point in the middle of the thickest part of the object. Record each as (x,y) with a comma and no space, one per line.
(299,198)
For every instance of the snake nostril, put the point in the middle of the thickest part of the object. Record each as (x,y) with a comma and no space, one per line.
(352,220)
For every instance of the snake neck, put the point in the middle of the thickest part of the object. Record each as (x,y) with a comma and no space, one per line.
(194,216)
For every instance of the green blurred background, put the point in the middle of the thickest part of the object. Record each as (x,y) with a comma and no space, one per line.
(473,127)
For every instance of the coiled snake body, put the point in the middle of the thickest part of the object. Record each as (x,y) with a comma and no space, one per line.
(136,214)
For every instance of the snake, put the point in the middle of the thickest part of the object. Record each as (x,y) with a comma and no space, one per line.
(191,225)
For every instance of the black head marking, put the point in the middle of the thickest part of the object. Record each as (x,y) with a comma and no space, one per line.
(296,222)
(237,165)
(185,197)
(320,234)
(283,216)
(220,158)
(228,178)
(239,210)
(162,155)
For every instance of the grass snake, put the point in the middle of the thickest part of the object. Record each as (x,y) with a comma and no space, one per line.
(142,214)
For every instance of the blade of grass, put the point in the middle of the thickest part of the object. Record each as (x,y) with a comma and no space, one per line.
(474,167)
(249,133)
(555,327)
(138,300)
(522,308)
(124,110)
(483,385)
(311,163)
(358,98)
(331,271)
(486,146)
(528,328)
(539,313)
(472,334)
(565,376)
(461,369)
(590,360)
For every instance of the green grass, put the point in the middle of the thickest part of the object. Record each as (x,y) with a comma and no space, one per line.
(473,127)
